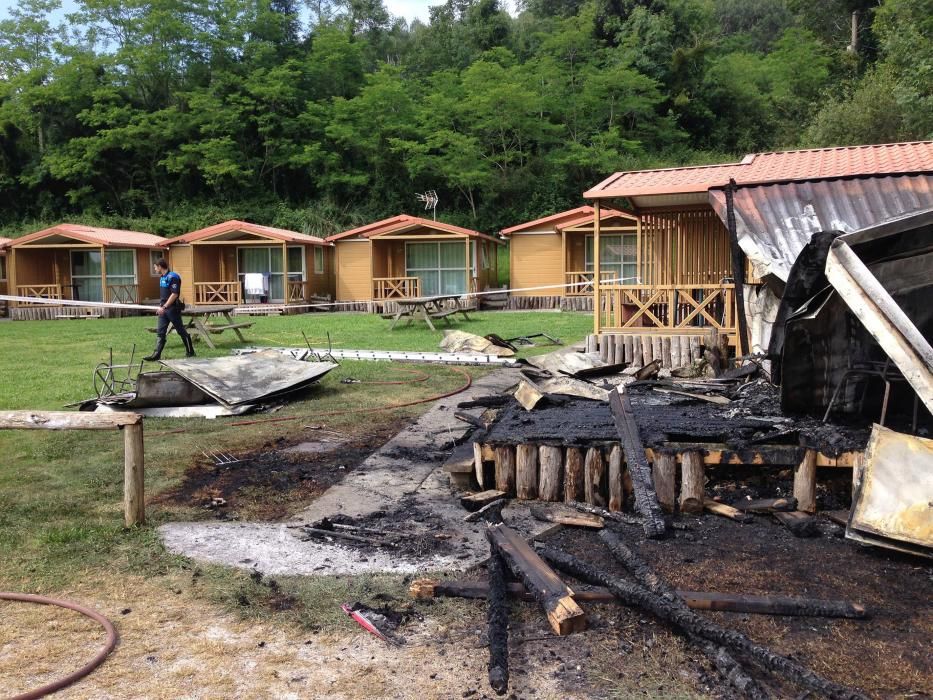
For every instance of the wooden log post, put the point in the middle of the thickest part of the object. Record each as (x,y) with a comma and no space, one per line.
(134,497)
(134,508)
(646,350)
(620,348)
(505,469)
(637,354)
(616,493)
(526,472)
(692,483)
(595,477)
(667,358)
(657,348)
(551,461)
(664,471)
(573,474)
(610,349)
(805,483)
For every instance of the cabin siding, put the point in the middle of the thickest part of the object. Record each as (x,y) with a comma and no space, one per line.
(181,262)
(147,284)
(535,260)
(354,280)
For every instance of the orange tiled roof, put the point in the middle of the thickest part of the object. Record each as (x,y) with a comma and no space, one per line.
(756,168)
(95,235)
(564,219)
(280,234)
(402,222)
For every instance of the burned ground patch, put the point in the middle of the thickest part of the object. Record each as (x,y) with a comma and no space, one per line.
(275,480)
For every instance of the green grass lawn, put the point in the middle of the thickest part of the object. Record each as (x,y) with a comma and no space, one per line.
(61,492)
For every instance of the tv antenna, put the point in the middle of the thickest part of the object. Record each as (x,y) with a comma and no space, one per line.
(430,200)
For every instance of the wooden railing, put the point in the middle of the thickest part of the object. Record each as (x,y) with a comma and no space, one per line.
(582,282)
(295,292)
(217,292)
(123,293)
(395,287)
(667,307)
(45,291)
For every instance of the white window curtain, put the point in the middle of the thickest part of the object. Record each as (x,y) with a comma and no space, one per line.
(268,261)
(618,256)
(438,266)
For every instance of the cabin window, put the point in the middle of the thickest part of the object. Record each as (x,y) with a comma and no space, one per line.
(154,257)
(2,268)
(86,272)
(440,267)
(267,261)
(618,256)
(318,260)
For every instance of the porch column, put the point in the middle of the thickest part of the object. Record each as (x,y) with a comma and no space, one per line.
(596,313)
(285,284)
(466,259)
(562,291)
(103,275)
(11,274)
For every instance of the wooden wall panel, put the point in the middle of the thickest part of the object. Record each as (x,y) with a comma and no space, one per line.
(354,275)
(536,261)
(180,260)
(684,246)
(148,285)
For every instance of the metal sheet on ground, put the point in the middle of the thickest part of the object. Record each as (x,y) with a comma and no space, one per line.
(894,491)
(390,356)
(249,378)
(566,361)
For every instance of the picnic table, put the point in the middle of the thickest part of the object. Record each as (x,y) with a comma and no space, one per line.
(427,309)
(205,321)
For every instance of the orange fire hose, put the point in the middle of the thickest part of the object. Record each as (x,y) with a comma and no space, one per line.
(89,666)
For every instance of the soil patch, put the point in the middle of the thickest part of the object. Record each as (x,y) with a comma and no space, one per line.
(274,481)
(883,656)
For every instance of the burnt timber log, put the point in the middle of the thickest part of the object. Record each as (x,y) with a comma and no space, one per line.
(497,617)
(563,614)
(526,472)
(616,489)
(791,606)
(594,477)
(766,505)
(573,474)
(694,624)
(800,524)
(664,471)
(726,511)
(646,501)
(551,461)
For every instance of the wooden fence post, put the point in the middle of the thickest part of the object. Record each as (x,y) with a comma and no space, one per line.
(134,502)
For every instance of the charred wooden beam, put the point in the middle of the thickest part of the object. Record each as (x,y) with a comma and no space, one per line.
(800,524)
(497,618)
(767,505)
(792,606)
(564,615)
(491,512)
(726,511)
(475,501)
(646,502)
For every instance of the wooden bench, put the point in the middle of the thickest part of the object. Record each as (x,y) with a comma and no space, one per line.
(227,327)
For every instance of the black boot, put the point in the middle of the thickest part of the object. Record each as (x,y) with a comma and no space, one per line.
(157,353)
(189,345)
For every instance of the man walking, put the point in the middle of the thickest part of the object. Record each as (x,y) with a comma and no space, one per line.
(169,311)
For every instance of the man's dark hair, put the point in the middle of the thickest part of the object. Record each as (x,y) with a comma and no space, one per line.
(163,263)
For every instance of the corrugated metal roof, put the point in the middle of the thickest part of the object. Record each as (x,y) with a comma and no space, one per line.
(95,235)
(757,168)
(775,222)
(279,234)
(404,221)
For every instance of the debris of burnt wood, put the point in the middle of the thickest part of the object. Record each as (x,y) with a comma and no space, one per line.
(646,502)
(606,514)
(649,371)
(735,641)
(494,401)
(799,523)
(491,512)
(794,606)
(563,614)
(654,595)
(565,518)
(764,506)
(497,617)
(726,511)
(474,501)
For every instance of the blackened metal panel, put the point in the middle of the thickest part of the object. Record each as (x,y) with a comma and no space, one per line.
(774,222)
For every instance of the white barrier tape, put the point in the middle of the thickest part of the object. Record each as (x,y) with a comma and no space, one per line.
(315,305)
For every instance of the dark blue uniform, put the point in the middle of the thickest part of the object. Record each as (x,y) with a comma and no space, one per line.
(170,283)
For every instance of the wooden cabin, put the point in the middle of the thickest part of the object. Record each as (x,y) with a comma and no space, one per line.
(688,262)
(218,263)
(551,259)
(82,263)
(407,256)
(4,306)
